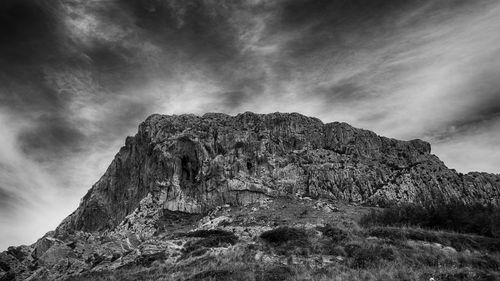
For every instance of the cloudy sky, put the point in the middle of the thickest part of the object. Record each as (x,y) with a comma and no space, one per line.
(77,77)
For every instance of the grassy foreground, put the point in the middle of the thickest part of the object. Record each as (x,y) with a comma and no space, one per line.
(355,243)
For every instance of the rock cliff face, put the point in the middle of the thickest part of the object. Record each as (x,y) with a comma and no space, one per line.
(236,176)
(192,164)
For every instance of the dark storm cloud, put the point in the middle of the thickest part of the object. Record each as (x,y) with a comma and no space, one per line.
(50,136)
(338,26)
(46,74)
(31,39)
(195,29)
(28,31)
(113,66)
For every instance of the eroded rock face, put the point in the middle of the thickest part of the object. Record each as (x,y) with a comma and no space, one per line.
(243,174)
(191,164)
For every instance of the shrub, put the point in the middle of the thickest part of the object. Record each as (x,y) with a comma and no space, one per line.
(210,239)
(208,233)
(484,261)
(335,250)
(288,240)
(368,255)
(284,234)
(456,240)
(495,223)
(390,233)
(335,234)
(216,241)
(147,259)
(278,273)
(455,216)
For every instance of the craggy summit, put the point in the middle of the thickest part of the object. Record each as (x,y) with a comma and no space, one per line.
(192,164)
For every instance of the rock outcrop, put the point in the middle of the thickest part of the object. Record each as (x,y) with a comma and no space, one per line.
(236,176)
(192,164)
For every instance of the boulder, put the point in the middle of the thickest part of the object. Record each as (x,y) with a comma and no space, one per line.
(55,254)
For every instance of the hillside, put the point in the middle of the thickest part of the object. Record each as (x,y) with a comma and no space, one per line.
(257,197)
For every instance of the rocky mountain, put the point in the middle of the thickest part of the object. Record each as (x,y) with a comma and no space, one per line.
(177,170)
(192,164)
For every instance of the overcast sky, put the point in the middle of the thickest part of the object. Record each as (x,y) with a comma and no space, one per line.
(78,76)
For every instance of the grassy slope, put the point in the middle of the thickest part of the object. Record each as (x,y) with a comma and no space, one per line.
(301,241)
